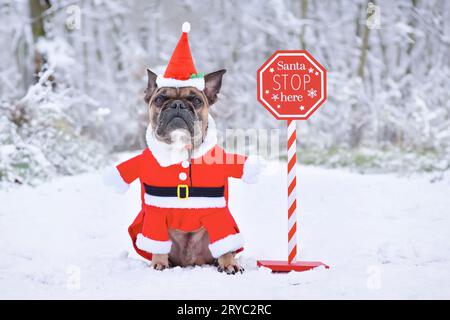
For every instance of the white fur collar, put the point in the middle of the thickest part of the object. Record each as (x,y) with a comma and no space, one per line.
(167,154)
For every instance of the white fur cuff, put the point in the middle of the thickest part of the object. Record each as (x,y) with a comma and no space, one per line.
(189,203)
(153,246)
(253,167)
(228,244)
(198,83)
(111,177)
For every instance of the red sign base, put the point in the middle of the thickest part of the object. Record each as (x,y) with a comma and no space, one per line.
(284,266)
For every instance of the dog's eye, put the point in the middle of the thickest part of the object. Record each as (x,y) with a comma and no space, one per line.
(196,101)
(159,100)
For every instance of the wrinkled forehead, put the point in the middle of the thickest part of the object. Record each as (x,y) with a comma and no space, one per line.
(180,92)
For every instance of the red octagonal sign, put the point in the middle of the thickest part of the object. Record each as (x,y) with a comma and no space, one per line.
(291,84)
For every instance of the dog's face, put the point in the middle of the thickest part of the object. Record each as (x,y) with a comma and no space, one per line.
(181,114)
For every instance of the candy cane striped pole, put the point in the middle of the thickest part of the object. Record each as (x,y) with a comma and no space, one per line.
(292,193)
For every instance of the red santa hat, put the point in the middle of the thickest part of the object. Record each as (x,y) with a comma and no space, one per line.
(180,71)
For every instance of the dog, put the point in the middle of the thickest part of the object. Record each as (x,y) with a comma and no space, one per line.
(185,110)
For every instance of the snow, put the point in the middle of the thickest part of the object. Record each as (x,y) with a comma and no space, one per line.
(383,236)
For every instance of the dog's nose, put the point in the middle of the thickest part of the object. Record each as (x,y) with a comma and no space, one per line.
(178,104)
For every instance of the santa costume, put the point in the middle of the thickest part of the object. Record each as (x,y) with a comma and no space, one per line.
(181,190)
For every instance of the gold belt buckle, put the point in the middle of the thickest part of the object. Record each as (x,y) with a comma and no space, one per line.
(186,188)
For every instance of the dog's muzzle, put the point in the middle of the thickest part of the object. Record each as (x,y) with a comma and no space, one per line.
(176,115)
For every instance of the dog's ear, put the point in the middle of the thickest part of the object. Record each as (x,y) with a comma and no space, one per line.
(151,85)
(213,82)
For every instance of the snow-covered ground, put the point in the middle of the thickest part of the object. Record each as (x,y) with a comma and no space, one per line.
(383,236)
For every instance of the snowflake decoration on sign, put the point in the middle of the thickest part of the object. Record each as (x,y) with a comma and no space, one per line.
(275,97)
(312,93)
(311,70)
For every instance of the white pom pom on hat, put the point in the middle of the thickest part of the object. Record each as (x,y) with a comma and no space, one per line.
(186,27)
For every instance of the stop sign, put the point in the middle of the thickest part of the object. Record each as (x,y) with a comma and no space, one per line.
(291,84)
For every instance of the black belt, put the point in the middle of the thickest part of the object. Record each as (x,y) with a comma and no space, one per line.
(183,191)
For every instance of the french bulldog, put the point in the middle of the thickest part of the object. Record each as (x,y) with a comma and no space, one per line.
(179,119)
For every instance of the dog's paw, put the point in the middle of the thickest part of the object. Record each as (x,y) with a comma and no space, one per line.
(160,261)
(228,264)
(231,269)
(159,266)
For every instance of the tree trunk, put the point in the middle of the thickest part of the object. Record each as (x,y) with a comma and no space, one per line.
(302,32)
(37,10)
(357,125)
(364,48)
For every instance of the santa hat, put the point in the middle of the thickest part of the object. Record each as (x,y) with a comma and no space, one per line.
(180,71)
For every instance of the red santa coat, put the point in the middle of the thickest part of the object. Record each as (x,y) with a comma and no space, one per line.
(159,166)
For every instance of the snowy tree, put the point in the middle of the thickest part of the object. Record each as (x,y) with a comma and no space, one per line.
(388,67)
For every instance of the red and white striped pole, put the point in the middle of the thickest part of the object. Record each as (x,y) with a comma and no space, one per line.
(292,264)
(292,190)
